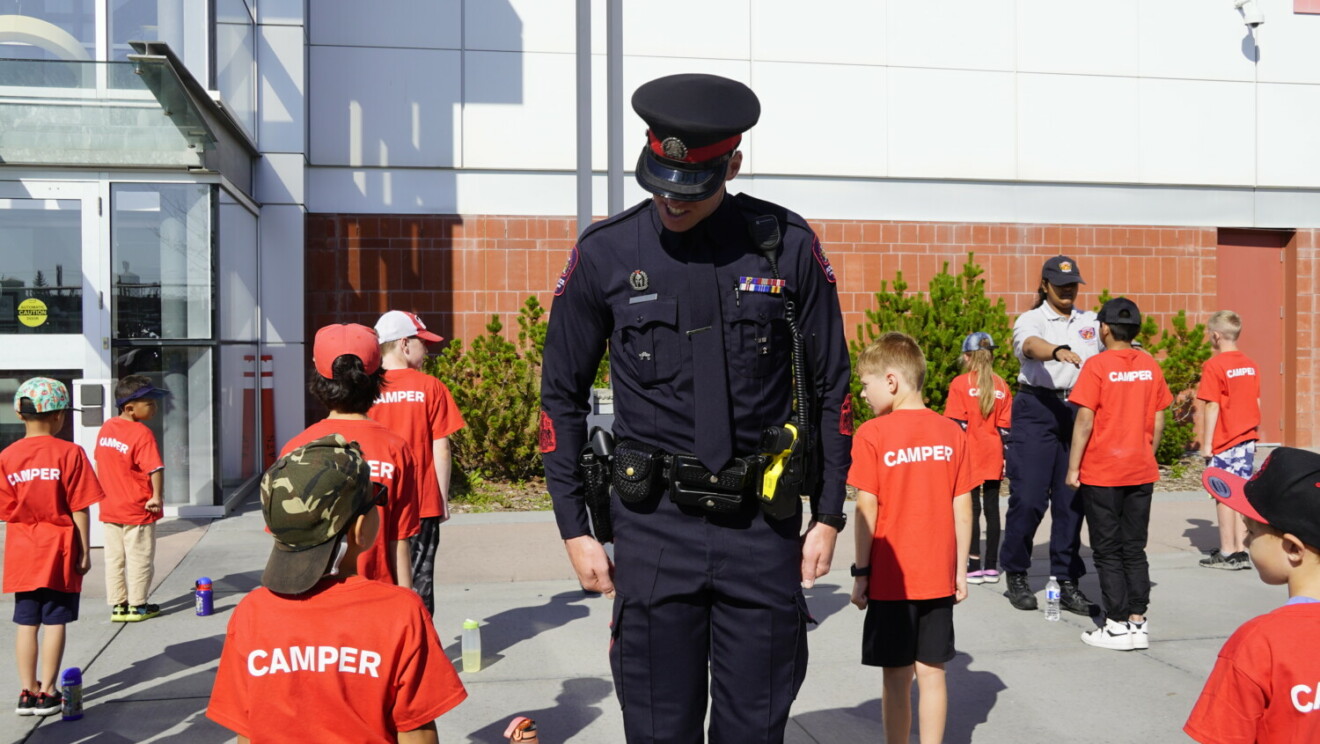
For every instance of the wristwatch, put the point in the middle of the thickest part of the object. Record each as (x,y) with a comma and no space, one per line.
(1061,347)
(837,521)
(863,571)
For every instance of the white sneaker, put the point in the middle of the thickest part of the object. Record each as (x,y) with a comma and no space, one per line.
(1111,635)
(1140,634)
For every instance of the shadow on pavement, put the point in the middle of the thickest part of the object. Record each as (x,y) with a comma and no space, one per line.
(504,630)
(823,600)
(576,706)
(149,714)
(1202,534)
(173,659)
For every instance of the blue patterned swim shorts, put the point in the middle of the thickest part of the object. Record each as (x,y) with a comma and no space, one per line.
(1240,460)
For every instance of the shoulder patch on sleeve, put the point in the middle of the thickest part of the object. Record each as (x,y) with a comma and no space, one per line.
(549,441)
(562,284)
(846,416)
(824,262)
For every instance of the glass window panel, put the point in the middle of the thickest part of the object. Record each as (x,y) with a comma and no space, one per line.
(235,71)
(183,24)
(238,271)
(161,256)
(11,426)
(184,424)
(240,435)
(48,29)
(40,266)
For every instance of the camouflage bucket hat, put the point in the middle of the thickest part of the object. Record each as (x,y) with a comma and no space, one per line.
(309,497)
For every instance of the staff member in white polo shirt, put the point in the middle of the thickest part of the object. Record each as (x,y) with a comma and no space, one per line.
(1051,342)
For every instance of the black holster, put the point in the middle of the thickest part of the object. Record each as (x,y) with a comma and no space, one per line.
(594,465)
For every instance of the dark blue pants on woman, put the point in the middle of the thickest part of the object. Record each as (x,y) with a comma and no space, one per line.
(1037,466)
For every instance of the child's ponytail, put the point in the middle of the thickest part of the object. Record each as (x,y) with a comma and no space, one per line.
(981,363)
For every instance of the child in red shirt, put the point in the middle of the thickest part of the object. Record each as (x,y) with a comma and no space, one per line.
(347,381)
(1265,686)
(419,408)
(983,406)
(129,467)
(1120,397)
(1230,389)
(914,526)
(318,653)
(46,487)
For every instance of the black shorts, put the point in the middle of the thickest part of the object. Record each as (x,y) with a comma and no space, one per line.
(899,633)
(45,607)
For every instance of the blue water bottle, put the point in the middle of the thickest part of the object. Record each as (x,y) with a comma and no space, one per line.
(71,684)
(202,590)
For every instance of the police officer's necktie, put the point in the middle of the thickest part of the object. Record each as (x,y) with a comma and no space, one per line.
(714,437)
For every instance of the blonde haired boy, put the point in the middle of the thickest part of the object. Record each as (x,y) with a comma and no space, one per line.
(913,530)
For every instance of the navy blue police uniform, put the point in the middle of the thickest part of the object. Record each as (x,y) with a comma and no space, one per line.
(1038,447)
(700,595)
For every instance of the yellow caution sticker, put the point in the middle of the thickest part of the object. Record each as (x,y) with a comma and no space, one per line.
(32,312)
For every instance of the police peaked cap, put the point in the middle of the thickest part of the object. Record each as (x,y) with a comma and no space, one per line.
(694,122)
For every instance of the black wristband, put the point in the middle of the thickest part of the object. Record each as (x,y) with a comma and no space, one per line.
(1055,354)
(837,521)
(863,571)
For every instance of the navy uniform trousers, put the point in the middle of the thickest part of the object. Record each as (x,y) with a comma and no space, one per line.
(701,595)
(1040,440)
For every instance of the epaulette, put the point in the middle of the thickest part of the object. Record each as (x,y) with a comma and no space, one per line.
(750,205)
(626,214)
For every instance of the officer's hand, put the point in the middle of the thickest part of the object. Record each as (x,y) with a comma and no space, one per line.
(594,570)
(817,552)
(1074,479)
(860,585)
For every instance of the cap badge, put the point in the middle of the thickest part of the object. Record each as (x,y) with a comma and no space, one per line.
(1220,488)
(674,148)
(639,281)
(1065,267)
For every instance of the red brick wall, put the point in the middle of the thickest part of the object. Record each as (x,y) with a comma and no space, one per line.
(456,271)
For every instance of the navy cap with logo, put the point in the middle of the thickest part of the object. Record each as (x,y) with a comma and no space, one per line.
(1120,311)
(1284,493)
(695,123)
(1061,270)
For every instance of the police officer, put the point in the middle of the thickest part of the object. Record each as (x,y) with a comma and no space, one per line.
(1051,342)
(707,587)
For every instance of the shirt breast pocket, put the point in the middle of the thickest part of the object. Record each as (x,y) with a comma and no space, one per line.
(647,336)
(759,339)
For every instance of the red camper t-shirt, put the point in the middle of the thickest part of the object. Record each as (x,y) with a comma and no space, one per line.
(1265,686)
(43,481)
(419,408)
(126,456)
(392,465)
(1125,388)
(984,444)
(915,462)
(351,660)
(1232,380)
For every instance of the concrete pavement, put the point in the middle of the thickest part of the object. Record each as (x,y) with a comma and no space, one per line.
(1017,678)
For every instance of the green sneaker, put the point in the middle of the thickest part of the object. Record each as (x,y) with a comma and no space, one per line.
(119,613)
(143,612)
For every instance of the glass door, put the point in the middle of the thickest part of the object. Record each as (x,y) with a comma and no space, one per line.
(54,318)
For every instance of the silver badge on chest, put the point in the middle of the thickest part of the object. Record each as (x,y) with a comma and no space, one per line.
(639,281)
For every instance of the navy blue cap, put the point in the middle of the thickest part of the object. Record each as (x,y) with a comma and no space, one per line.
(146,391)
(1120,311)
(695,123)
(1061,270)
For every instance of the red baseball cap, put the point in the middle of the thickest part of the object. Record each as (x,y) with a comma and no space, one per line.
(397,324)
(1284,493)
(334,341)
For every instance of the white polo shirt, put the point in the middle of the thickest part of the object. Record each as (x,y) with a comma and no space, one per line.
(1081,331)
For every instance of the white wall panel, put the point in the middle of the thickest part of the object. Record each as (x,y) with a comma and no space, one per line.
(963,34)
(833,31)
(1094,38)
(525,25)
(282,253)
(420,24)
(539,131)
(384,107)
(951,124)
(1199,39)
(1289,44)
(290,362)
(1197,132)
(687,28)
(282,95)
(1289,136)
(284,12)
(821,134)
(279,178)
(1077,128)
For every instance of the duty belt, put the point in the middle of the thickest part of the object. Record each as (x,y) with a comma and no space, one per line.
(1043,391)
(642,471)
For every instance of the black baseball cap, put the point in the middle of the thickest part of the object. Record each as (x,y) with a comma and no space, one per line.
(1284,493)
(1120,311)
(694,124)
(1061,270)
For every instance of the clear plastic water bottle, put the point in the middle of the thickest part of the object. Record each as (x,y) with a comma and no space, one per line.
(1052,594)
(71,684)
(471,646)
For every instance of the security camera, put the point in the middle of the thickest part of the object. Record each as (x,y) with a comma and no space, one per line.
(1251,13)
